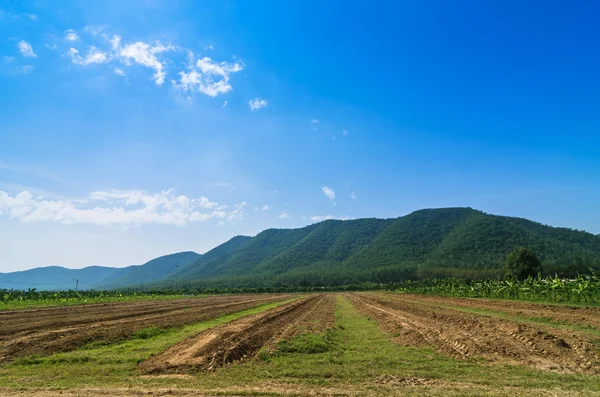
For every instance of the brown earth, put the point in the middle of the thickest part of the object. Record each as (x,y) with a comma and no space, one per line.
(240,340)
(463,335)
(58,329)
(583,316)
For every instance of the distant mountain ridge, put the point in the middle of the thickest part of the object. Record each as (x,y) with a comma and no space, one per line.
(456,242)
(96,277)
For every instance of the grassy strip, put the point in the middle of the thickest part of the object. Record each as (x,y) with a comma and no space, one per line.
(115,363)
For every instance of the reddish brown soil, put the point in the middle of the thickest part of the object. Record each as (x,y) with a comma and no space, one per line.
(464,335)
(240,340)
(58,329)
(584,316)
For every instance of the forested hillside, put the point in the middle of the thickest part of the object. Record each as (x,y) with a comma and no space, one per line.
(458,242)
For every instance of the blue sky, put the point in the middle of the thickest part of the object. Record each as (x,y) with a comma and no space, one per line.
(130,130)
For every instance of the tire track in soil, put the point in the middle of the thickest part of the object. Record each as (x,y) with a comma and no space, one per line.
(240,340)
(464,335)
(49,341)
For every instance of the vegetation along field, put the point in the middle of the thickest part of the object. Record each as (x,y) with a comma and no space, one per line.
(345,343)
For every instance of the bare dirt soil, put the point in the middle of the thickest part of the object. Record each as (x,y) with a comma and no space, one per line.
(583,316)
(416,321)
(240,340)
(58,329)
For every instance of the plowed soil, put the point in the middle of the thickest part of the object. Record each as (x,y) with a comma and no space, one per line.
(58,329)
(584,316)
(240,340)
(417,321)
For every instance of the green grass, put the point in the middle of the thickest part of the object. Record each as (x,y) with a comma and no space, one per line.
(351,358)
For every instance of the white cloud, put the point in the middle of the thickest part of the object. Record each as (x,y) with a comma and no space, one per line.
(26,49)
(353,195)
(265,207)
(119,71)
(118,208)
(257,103)
(319,218)
(225,104)
(345,132)
(209,47)
(283,215)
(207,76)
(94,30)
(115,42)
(314,121)
(27,69)
(329,193)
(94,56)
(51,46)
(33,17)
(71,35)
(145,55)
(224,184)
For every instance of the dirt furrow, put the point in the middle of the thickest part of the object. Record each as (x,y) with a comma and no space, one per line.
(461,334)
(583,316)
(26,321)
(64,339)
(240,340)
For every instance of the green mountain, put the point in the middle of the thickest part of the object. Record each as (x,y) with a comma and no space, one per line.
(459,242)
(456,242)
(96,277)
(156,269)
(57,278)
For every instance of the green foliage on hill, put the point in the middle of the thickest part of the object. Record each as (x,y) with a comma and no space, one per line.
(448,242)
(150,271)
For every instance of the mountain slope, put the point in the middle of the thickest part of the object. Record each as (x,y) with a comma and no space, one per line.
(459,242)
(57,278)
(150,271)
(96,277)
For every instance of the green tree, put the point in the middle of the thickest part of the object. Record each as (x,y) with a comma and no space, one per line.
(521,263)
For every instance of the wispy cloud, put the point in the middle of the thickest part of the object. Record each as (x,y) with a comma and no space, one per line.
(265,207)
(345,132)
(319,218)
(228,185)
(207,76)
(118,208)
(225,104)
(70,35)
(26,49)
(329,193)
(119,71)
(257,103)
(353,195)
(314,121)
(26,69)
(33,17)
(146,55)
(94,55)
(283,215)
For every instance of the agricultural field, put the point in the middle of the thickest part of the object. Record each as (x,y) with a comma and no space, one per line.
(348,343)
